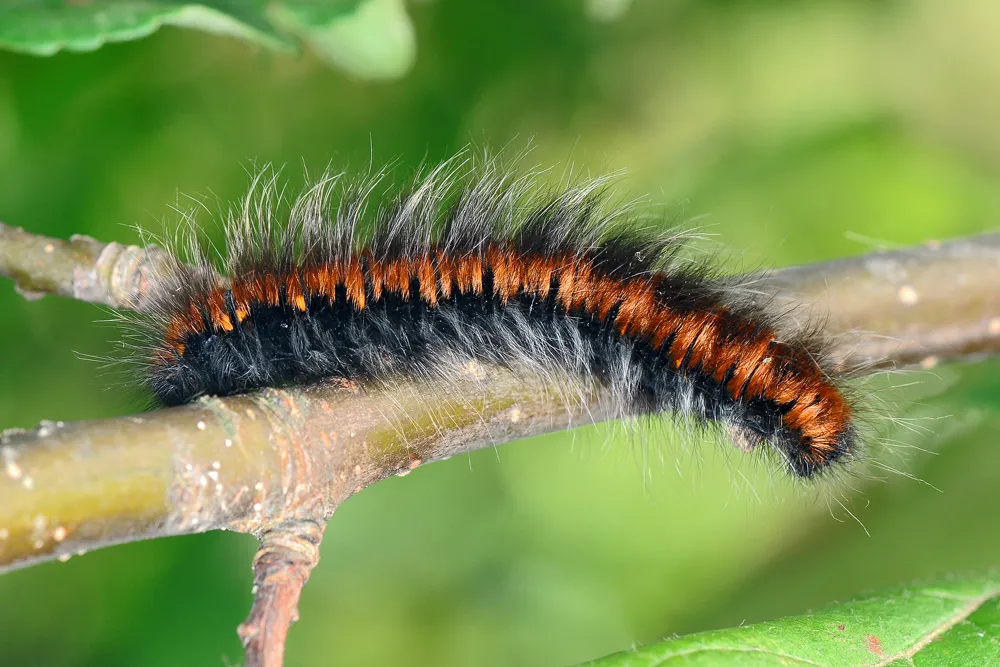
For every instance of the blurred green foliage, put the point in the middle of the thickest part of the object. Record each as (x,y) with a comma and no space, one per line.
(795,131)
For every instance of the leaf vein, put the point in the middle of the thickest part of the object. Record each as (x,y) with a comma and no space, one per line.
(959,616)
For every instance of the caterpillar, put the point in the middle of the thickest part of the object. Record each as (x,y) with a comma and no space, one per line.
(482,265)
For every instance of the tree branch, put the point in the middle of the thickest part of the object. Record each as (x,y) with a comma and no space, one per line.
(928,303)
(281,568)
(248,463)
(274,464)
(81,268)
(279,462)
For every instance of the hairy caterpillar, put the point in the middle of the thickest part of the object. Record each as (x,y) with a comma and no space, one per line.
(481,265)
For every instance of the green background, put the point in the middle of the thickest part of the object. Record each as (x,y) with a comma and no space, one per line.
(795,131)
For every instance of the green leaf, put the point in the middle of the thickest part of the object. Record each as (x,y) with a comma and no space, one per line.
(44,27)
(374,40)
(956,622)
(370,39)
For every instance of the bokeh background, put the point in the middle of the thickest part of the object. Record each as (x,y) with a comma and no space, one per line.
(796,131)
